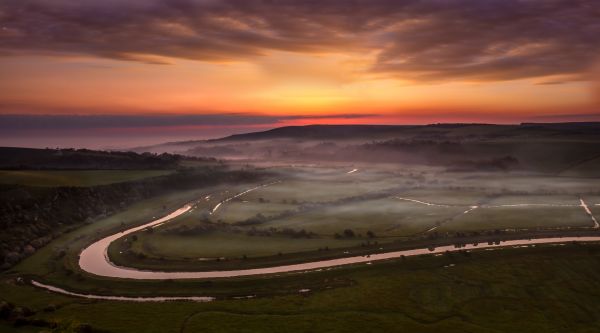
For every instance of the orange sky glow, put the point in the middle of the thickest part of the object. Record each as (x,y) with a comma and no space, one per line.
(278,84)
(298,62)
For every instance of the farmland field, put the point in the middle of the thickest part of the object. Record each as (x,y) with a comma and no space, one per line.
(307,213)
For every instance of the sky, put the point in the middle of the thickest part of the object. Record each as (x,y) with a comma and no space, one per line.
(106,74)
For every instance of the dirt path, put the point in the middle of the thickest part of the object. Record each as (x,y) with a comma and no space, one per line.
(423,202)
(471,208)
(240,194)
(589,212)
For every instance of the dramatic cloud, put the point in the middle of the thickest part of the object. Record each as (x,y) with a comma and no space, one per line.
(422,40)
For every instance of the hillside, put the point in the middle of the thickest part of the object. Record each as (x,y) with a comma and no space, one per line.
(340,132)
(554,148)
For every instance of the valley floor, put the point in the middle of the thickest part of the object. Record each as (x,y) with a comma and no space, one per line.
(304,214)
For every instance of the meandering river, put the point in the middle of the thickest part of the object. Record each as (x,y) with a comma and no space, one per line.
(94,260)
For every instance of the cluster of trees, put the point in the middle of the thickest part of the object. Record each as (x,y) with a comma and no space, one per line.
(85,159)
(413,144)
(504,163)
(192,230)
(288,232)
(254,220)
(349,233)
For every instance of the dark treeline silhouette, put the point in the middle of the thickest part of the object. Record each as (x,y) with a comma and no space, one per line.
(85,159)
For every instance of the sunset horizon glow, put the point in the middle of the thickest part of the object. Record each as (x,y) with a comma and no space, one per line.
(257,65)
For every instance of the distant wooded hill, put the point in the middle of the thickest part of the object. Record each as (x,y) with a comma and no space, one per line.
(84,159)
(557,148)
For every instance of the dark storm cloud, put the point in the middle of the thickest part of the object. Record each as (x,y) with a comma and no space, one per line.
(19,122)
(423,40)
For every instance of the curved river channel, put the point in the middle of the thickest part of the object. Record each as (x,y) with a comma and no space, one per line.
(94,260)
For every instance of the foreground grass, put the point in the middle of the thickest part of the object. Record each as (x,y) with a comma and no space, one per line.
(542,289)
(51,178)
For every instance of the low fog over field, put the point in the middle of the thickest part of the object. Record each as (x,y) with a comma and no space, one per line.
(568,149)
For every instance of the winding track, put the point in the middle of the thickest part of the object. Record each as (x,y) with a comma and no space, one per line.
(239,195)
(422,202)
(589,212)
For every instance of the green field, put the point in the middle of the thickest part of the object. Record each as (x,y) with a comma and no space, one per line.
(384,217)
(519,218)
(241,209)
(221,244)
(379,204)
(52,178)
(459,196)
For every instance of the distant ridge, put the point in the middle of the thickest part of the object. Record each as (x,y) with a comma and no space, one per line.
(347,132)
(338,131)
